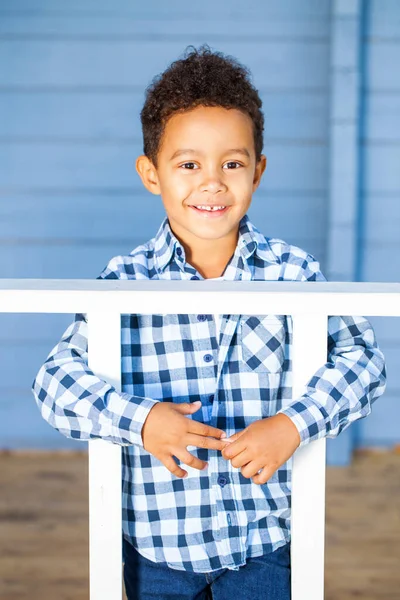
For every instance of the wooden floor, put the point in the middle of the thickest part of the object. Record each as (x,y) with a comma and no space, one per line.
(44,527)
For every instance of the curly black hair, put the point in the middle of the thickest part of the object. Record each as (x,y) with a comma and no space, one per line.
(201,78)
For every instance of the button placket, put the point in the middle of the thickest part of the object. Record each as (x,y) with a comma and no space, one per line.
(224,541)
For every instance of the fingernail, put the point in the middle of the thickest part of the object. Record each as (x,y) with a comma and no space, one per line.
(223,435)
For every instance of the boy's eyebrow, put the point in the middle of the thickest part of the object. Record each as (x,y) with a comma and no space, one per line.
(191,151)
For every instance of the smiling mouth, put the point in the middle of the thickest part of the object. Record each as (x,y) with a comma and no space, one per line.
(210,209)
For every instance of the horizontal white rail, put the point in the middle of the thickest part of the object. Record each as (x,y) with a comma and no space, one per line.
(309,304)
(264,297)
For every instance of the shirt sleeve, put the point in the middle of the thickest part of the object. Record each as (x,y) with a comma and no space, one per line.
(345,387)
(80,405)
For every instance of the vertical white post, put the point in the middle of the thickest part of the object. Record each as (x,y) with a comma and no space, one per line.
(308,483)
(105,496)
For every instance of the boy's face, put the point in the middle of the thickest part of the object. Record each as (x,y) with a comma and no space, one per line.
(207,157)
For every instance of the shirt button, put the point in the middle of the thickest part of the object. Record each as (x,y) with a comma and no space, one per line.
(207,357)
(195,277)
(202,317)
(179,251)
(222,480)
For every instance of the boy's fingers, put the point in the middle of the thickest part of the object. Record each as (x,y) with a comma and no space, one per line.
(263,476)
(202,441)
(171,465)
(234,448)
(235,436)
(206,430)
(192,461)
(186,408)
(241,459)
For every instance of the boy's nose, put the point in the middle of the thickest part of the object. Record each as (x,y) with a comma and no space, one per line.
(213,184)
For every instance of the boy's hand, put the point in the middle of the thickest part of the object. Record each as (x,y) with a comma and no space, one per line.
(265,444)
(166,433)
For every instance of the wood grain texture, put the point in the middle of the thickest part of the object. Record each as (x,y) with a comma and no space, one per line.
(44,532)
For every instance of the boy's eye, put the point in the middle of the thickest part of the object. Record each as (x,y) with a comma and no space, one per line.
(232,162)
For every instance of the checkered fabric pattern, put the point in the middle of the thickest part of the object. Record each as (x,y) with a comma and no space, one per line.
(215,518)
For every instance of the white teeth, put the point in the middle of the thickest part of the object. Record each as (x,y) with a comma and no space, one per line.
(210,208)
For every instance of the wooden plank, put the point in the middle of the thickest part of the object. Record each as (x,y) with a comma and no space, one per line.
(135,24)
(100,116)
(379,261)
(362,551)
(135,219)
(382,219)
(382,173)
(285,8)
(308,478)
(345,65)
(388,330)
(88,164)
(64,261)
(127,296)
(105,467)
(32,330)
(37,63)
(383,53)
(383,117)
(384,19)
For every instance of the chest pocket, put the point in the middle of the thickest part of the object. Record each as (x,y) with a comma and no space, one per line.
(262,343)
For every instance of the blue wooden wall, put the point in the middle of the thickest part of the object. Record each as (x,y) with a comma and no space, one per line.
(72,86)
(379,206)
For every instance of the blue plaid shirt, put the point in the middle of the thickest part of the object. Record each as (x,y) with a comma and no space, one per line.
(214,518)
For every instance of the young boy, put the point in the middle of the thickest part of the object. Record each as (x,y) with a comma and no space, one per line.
(201,514)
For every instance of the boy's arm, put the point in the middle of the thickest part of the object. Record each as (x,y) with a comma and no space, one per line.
(76,402)
(80,405)
(345,387)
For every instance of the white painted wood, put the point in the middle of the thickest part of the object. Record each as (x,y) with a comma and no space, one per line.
(130,296)
(105,496)
(309,303)
(308,477)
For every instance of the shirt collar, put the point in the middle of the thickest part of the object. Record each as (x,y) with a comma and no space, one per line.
(250,240)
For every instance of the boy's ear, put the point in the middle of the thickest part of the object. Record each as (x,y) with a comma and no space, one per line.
(148,174)
(259,170)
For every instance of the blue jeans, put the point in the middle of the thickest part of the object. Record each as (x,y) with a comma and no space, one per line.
(263,577)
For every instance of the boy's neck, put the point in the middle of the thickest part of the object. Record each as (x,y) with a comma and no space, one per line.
(208,257)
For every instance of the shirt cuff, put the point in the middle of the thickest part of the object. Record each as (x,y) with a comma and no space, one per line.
(309,419)
(129,414)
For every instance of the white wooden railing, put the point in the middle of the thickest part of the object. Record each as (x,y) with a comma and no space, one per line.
(309,304)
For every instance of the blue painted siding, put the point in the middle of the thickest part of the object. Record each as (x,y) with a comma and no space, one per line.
(380,195)
(73,81)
